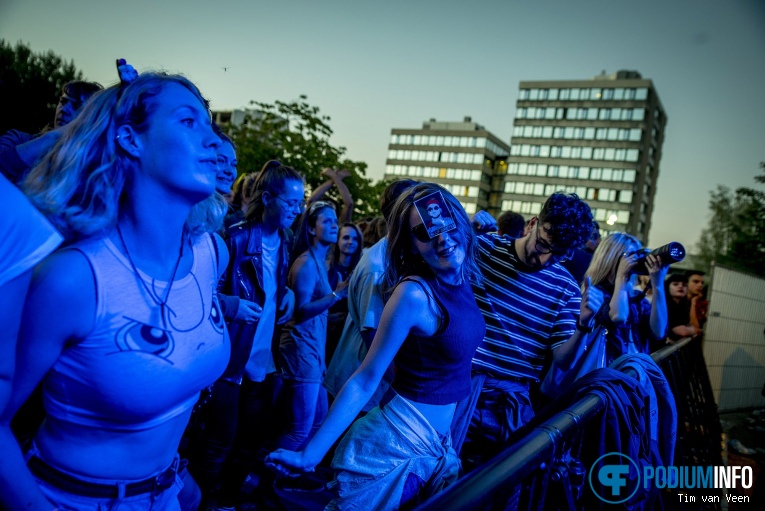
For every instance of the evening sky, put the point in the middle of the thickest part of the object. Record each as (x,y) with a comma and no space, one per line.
(373,66)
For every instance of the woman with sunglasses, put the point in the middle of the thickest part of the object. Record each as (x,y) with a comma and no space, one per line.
(633,324)
(122,326)
(400,452)
(303,340)
(255,301)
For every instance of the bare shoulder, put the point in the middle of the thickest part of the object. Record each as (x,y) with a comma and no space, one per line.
(413,292)
(63,287)
(304,267)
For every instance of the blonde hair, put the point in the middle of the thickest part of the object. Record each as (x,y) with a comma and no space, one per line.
(82,182)
(605,260)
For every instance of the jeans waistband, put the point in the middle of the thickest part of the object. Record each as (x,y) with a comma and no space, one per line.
(71,484)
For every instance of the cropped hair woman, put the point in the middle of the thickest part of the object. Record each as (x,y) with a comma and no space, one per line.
(633,324)
(431,326)
(302,345)
(122,326)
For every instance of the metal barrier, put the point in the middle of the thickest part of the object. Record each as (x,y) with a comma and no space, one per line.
(542,471)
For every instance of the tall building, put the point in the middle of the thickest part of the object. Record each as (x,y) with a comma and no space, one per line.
(600,138)
(460,156)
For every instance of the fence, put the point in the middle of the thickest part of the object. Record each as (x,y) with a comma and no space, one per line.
(542,470)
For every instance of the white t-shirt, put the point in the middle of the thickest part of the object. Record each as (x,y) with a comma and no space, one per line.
(365,306)
(27,236)
(261,361)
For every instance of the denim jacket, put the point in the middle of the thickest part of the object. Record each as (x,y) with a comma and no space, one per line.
(243,279)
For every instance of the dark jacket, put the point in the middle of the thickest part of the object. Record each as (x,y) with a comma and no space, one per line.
(243,278)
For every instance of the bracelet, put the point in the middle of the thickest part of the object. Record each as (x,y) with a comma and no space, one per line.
(582,328)
(335,295)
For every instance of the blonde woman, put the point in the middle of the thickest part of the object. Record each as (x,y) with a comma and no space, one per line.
(122,326)
(632,323)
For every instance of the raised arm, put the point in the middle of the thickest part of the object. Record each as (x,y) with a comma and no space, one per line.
(336,178)
(659,316)
(620,301)
(407,311)
(592,300)
(63,288)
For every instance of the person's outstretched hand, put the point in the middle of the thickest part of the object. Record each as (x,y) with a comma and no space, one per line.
(484,222)
(288,463)
(342,174)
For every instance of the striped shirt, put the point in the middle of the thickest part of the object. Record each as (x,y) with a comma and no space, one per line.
(528,313)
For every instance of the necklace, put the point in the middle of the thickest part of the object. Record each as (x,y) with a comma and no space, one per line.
(163,302)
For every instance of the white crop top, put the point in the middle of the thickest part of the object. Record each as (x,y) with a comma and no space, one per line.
(130,373)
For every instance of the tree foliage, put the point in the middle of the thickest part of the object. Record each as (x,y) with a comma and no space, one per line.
(30,85)
(735,235)
(298,135)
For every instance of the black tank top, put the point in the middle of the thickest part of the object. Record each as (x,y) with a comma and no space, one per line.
(436,369)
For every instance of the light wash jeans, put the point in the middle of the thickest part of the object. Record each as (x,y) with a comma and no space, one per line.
(306,406)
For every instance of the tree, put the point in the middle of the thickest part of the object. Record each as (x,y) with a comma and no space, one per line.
(30,86)
(297,134)
(735,235)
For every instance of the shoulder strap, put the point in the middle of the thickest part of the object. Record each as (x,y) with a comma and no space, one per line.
(439,309)
(218,245)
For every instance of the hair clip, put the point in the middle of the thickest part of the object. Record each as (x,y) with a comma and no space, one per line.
(127,73)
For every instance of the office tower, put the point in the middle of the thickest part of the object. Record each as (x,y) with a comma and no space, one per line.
(460,156)
(600,138)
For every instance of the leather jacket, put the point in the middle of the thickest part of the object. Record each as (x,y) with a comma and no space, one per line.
(243,279)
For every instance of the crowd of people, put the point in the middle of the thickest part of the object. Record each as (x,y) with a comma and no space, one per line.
(191,323)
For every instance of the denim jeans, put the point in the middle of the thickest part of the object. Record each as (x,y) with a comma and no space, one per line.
(236,425)
(502,407)
(306,407)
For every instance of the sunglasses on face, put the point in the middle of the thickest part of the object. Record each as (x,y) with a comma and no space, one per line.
(421,233)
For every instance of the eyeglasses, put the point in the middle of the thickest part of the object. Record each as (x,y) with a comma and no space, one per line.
(292,205)
(543,247)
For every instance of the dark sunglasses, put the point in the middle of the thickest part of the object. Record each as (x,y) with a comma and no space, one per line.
(421,233)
